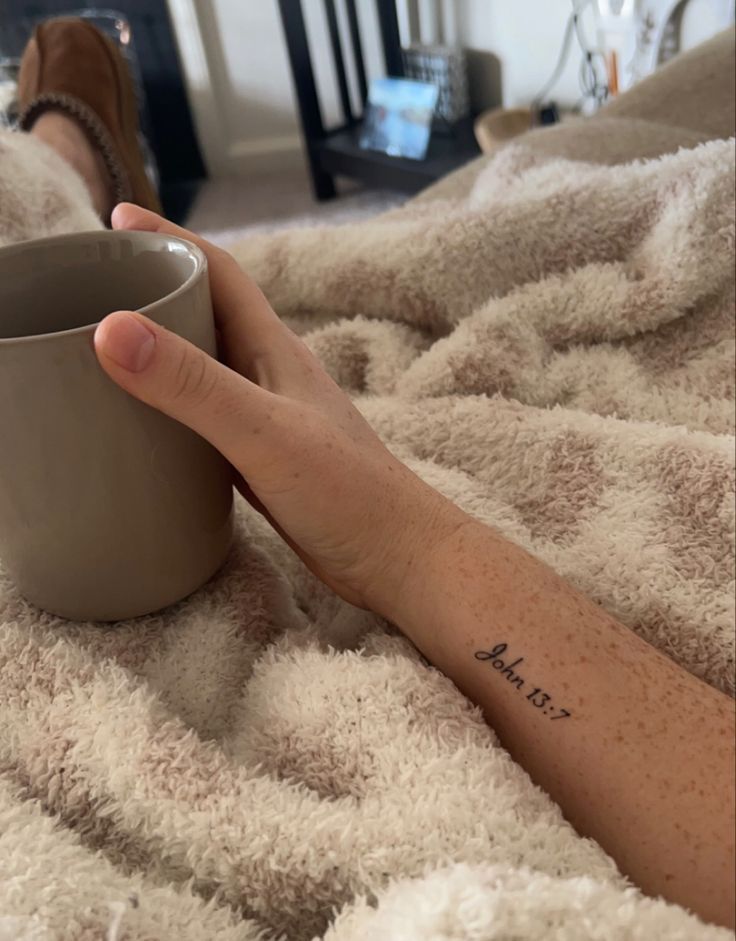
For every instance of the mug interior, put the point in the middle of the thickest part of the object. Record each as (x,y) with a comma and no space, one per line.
(56,284)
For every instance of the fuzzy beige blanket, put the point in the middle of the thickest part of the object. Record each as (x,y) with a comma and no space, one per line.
(554,350)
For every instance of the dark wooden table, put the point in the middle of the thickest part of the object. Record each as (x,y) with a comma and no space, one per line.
(333,152)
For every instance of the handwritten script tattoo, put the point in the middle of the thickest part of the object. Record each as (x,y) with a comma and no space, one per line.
(537,697)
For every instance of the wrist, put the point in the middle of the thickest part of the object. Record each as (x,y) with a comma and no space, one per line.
(415,542)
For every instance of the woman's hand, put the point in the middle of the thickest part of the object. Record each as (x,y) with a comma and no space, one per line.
(380,537)
(309,461)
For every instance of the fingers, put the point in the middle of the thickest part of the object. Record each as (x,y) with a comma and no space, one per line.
(248,323)
(167,372)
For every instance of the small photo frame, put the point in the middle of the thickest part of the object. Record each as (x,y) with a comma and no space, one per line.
(398,117)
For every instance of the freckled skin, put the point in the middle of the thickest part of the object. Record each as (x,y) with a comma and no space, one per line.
(644,760)
(647,747)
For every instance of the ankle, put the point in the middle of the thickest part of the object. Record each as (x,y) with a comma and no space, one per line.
(64,135)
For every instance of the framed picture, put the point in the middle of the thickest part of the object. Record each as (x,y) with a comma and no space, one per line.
(398,117)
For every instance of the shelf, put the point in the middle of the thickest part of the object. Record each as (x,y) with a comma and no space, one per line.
(340,153)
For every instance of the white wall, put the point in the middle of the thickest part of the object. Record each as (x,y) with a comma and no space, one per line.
(525,36)
(239,80)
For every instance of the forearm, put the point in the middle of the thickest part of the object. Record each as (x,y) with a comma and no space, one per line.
(638,753)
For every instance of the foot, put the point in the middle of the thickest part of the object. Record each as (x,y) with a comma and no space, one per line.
(69,140)
(76,92)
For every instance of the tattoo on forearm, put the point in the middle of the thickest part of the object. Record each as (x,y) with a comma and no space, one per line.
(537,697)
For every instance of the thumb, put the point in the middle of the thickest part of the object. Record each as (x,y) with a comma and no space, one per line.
(177,378)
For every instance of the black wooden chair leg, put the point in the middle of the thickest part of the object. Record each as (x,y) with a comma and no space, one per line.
(323,184)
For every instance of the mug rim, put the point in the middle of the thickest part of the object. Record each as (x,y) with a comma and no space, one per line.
(200,268)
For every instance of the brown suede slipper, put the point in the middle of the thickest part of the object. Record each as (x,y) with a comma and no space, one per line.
(70,66)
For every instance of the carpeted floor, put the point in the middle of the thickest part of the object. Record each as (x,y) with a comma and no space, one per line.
(227,209)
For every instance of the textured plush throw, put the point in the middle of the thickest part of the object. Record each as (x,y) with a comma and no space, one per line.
(554,350)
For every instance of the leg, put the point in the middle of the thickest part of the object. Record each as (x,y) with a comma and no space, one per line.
(64,135)
(76,94)
(40,192)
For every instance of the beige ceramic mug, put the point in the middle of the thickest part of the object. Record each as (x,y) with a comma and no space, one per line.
(108,509)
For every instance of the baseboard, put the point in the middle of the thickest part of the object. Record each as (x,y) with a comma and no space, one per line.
(271,154)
